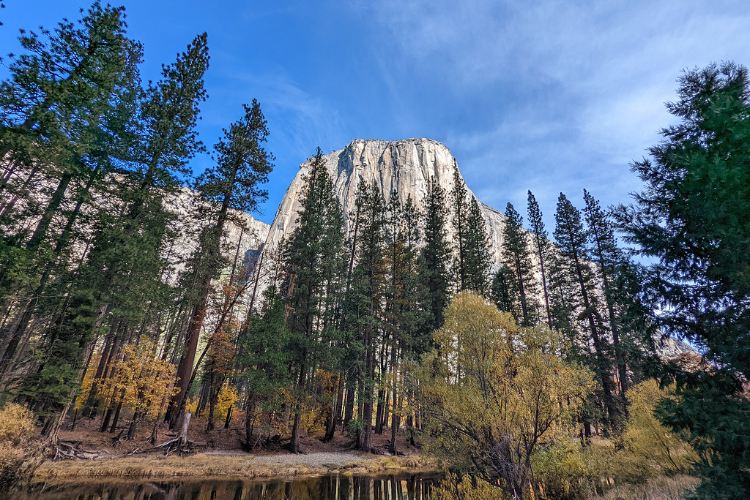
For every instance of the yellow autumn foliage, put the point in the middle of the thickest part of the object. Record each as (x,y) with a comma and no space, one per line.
(493,392)
(649,440)
(17,433)
(16,423)
(646,450)
(191,405)
(87,383)
(140,379)
(226,399)
(464,488)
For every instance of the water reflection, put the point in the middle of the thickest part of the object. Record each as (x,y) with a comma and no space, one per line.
(336,487)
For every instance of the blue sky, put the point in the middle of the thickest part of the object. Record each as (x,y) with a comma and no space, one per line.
(543,95)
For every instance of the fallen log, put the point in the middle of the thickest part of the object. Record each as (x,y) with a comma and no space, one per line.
(66,450)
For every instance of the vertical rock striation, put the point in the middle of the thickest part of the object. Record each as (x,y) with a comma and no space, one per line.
(403,168)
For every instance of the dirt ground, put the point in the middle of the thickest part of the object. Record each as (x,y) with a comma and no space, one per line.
(221,441)
(221,454)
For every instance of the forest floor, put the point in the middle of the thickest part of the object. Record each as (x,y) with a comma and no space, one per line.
(220,454)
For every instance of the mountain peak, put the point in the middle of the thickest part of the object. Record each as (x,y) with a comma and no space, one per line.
(403,167)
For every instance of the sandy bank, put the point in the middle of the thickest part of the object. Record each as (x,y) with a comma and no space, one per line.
(232,465)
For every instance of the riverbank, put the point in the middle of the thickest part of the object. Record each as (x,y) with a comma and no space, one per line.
(107,455)
(232,465)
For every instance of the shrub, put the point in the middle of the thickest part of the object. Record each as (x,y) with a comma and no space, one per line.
(566,471)
(20,453)
(454,487)
(650,441)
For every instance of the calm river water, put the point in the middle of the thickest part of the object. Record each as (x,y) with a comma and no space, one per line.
(335,487)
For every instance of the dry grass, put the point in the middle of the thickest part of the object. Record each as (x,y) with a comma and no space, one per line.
(217,466)
(657,488)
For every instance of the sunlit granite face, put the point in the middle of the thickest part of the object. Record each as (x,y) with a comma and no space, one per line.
(402,168)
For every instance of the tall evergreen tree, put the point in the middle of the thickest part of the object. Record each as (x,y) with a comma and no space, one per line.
(477,260)
(608,259)
(691,221)
(541,247)
(562,303)
(574,256)
(433,261)
(502,291)
(265,347)
(517,258)
(313,257)
(126,264)
(56,104)
(401,315)
(62,114)
(367,298)
(242,165)
(460,214)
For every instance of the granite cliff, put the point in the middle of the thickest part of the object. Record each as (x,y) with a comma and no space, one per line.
(402,167)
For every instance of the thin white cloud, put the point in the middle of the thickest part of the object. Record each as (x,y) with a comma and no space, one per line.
(572,91)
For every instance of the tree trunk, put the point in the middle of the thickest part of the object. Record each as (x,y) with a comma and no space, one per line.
(184,430)
(133,425)
(602,362)
(116,416)
(380,412)
(335,410)
(185,368)
(349,410)
(57,197)
(294,442)
(395,422)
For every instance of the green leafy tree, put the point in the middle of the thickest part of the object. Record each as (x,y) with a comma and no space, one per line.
(266,354)
(494,393)
(692,220)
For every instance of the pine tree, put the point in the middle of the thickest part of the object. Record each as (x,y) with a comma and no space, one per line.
(517,258)
(366,297)
(313,258)
(63,112)
(608,259)
(574,256)
(55,108)
(691,221)
(477,260)
(126,264)
(460,214)
(542,248)
(503,291)
(433,261)
(234,183)
(401,313)
(265,345)
(562,293)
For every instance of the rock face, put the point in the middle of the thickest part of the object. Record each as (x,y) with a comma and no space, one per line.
(400,167)
(244,233)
